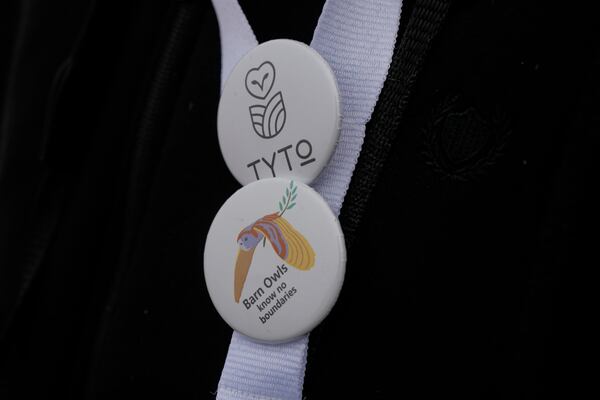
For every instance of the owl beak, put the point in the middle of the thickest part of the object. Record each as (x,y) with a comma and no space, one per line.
(242,265)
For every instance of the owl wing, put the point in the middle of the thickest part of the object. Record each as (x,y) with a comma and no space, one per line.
(288,243)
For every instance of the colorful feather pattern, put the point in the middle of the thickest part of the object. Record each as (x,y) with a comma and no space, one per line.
(288,243)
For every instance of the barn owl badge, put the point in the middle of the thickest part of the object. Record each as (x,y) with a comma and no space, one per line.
(289,244)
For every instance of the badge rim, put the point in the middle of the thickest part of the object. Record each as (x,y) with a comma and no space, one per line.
(231,166)
(328,300)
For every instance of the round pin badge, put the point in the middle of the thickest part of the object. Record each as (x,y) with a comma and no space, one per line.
(279,113)
(274,260)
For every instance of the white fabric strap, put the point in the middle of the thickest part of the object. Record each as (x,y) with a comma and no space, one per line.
(357,39)
(237,37)
(263,371)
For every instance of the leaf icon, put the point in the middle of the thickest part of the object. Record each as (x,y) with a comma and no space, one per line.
(287,201)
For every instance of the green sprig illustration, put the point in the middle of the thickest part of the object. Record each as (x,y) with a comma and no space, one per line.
(288,200)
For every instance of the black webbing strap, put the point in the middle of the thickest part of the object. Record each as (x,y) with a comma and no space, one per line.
(409,54)
(407,60)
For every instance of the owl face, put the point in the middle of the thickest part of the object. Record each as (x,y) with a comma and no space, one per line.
(249,239)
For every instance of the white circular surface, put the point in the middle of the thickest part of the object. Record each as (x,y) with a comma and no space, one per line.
(295,260)
(279,113)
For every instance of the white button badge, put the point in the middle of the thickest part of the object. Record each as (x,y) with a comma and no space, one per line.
(279,113)
(274,260)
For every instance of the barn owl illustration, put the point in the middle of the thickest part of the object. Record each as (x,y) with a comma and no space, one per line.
(289,244)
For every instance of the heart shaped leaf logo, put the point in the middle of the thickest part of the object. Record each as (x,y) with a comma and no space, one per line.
(259,81)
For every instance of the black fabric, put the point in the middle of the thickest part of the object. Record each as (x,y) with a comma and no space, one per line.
(180,37)
(471,268)
(273,19)
(31,78)
(422,26)
(45,352)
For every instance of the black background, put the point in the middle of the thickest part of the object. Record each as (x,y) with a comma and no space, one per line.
(471,273)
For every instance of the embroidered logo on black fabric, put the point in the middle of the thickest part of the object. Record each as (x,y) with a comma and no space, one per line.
(460,143)
(268,117)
